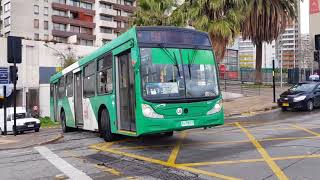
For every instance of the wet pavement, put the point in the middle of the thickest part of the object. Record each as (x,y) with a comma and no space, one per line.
(274,145)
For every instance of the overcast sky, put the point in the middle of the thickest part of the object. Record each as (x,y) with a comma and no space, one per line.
(305,17)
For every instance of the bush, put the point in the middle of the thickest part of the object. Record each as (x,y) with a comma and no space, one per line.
(47,122)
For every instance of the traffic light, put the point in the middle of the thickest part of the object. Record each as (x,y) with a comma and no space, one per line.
(316,56)
(13,74)
(14,50)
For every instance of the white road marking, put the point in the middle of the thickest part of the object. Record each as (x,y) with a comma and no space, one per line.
(61,164)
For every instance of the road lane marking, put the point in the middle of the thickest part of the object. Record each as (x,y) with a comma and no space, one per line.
(242,161)
(305,129)
(176,149)
(274,167)
(109,170)
(156,161)
(72,172)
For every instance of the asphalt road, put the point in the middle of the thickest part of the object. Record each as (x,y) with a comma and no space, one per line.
(274,145)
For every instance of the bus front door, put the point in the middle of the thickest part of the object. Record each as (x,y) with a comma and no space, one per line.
(78,99)
(125,92)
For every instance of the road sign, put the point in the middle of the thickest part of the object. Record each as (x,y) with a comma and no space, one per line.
(4,75)
(9,90)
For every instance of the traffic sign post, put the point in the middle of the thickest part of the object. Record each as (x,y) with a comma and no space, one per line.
(5,109)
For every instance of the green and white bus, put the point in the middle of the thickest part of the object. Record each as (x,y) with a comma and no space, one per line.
(148,80)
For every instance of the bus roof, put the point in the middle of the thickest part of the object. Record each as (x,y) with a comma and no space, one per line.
(131,34)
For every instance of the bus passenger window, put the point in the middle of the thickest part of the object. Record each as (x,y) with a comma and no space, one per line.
(89,80)
(105,75)
(69,85)
(62,92)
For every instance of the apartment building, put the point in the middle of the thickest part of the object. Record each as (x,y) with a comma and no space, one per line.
(83,22)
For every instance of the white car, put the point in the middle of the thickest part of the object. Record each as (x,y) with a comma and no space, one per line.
(24,123)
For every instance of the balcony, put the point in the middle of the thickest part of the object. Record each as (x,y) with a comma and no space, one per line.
(66,34)
(76,22)
(119,30)
(110,24)
(102,10)
(121,18)
(107,36)
(124,7)
(66,7)
(109,1)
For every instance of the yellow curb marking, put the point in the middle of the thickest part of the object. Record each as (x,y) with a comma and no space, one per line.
(156,161)
(306,130)
(274,167)
(176,149)
(109,170)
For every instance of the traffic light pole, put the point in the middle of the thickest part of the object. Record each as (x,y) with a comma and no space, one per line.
(15,99)
(5,109)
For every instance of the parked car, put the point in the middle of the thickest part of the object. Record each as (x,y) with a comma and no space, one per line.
(24,123)
(304,95)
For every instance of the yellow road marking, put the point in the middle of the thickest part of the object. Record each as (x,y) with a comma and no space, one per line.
(272,129)
(305,129)
(156,161)
(176,149)
(274,167)
(213,142)
(109,170)
(251,160)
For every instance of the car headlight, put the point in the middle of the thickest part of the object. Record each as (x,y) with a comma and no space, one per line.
(299,98)
(148,111)
(217,108)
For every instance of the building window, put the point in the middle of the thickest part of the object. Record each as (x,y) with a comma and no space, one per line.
(60,39)
(60,27)
(126,24)
(118,12)
(89,80)
(46,37)
(36,9)
(128,3)
(86,5)
(60,13)
(105,5)
(75,29)
(105,30)
(118,1)
(36,36)
(46,11)
(7,7)
(46,25)
(7,22)
(46,1)
(75,3)
(105,75)
(86,42)
(106,18)
(86,30)
(60,1)
(74,15)
(105,41)
(36,23)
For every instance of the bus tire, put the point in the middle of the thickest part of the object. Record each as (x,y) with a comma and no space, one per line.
(168,134)
(64,127)
(105,128)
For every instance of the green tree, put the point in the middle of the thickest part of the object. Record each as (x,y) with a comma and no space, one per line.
(67,58)
(265,21)
(154,13)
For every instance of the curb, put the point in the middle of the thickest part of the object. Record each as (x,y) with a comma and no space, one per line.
(55,139)
(252,112)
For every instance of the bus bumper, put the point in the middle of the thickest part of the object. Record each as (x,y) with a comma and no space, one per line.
(154,126)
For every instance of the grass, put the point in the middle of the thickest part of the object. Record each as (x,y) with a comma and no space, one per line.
(46,122)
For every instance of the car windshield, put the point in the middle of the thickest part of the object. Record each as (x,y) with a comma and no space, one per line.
(303,87)
(178,73)
(21,115)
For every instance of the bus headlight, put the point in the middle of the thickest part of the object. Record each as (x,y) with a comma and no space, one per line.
(217,108)
(150,113)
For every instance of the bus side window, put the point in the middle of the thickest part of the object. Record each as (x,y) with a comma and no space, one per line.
(104,79)
(69,84)
(89,80)
(62,89)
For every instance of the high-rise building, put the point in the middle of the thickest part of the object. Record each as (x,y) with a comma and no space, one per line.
(84,22)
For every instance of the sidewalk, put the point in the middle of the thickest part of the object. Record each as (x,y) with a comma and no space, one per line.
(237,104)
(29,139)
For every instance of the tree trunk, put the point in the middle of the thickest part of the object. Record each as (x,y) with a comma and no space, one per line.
(258,79)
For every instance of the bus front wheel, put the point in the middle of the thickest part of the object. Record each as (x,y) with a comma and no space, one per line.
(105,127)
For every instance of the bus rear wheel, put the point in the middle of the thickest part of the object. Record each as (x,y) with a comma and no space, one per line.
(64,127)
(105,127)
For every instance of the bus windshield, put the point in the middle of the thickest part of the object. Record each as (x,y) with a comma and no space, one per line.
(178,74)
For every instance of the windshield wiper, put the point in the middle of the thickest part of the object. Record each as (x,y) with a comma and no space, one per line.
(173,59)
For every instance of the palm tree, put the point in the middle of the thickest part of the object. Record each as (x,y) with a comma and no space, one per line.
(265,21)
(220,18)
(153,12)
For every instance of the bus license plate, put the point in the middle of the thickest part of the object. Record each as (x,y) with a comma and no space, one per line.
(285,104)
(187,123)
(31,125)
